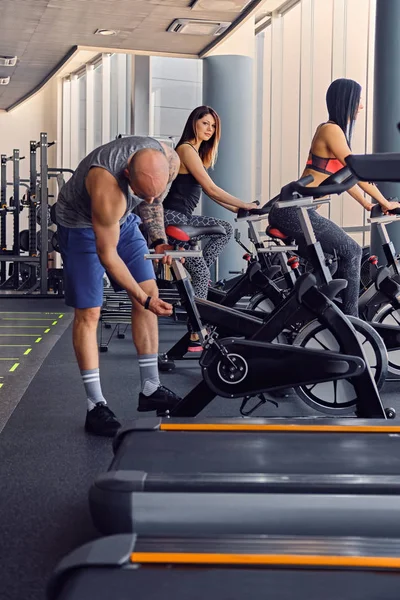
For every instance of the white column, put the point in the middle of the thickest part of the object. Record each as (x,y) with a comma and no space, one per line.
(339,26)
(89,108)
(276,105)
(66,123)
(106,100)
(59,122)
(122,95)
(74,121)
(143,103)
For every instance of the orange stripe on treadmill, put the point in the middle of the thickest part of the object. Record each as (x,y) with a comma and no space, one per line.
(280,427)
(371,562)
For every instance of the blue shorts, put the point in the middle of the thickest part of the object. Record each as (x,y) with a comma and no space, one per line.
(83,271)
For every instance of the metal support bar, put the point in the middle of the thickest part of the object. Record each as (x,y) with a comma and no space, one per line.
(277,249)
(175,254)
(16,202)
(43,213)
(383,234)
(301,202)
(3,218)
(251,218)
(33,197)
(306,226)
(19,259)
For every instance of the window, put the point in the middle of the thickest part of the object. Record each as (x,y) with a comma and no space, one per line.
(176,89)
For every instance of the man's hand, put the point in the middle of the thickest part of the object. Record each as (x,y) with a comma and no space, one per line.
(167,260)
(160,308)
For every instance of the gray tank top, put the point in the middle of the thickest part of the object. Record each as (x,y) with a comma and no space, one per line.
(74,204)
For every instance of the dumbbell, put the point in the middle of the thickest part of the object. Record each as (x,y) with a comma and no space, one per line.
(50,234)
(24,240)
(39,215)
(54,242)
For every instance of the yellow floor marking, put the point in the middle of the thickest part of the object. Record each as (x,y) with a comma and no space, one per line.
(25,319)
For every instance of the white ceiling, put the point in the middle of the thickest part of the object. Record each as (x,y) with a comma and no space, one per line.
(43,33)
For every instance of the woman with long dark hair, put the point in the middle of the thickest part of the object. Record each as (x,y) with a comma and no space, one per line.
(330,146)
(197,150)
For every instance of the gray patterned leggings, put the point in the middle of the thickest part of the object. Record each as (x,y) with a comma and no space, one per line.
(331,237)
(199,268)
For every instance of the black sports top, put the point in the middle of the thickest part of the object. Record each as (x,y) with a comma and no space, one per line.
(184,194)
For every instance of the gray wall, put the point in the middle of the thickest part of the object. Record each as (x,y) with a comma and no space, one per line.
(228,88)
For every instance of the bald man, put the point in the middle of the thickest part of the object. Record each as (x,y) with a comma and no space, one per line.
(98,233)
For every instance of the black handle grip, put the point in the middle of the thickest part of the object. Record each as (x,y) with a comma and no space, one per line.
(325,190)
(377,211)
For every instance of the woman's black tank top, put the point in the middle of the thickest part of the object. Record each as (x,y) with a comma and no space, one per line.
(184,194)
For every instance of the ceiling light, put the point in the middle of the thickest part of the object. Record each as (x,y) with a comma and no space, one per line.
(4,80)
(8,61)
(198,27)
(220,5)
(106,32)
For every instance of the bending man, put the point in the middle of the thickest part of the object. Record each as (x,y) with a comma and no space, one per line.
(98,233)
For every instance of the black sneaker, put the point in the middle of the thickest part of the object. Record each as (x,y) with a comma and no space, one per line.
(101,421)
(162,400)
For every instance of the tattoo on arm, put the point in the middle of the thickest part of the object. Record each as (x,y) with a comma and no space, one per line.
(152,215)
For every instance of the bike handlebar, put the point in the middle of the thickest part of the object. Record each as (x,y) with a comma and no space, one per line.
(337,183)
(264,210)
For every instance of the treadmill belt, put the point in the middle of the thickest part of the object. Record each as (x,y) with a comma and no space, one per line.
(185,583)
(258,452)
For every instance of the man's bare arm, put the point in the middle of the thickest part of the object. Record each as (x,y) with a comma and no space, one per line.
(152,215)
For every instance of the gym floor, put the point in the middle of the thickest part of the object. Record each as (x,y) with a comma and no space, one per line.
(47,462)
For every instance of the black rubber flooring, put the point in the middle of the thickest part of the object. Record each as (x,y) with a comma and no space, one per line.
(47,462)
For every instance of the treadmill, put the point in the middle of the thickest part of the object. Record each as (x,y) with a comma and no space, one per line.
(274,568)
(248,476)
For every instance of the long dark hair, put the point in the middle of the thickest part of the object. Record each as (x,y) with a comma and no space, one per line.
(342,100)
(208,150)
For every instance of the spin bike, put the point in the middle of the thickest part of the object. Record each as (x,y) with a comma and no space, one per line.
(310,331)
(313,333)
(246,364)
(256,277)
(380,303)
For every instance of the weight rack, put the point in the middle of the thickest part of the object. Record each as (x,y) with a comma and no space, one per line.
(38,194)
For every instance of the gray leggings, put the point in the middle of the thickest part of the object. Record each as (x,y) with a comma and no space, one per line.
(332,238)
(199,268)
